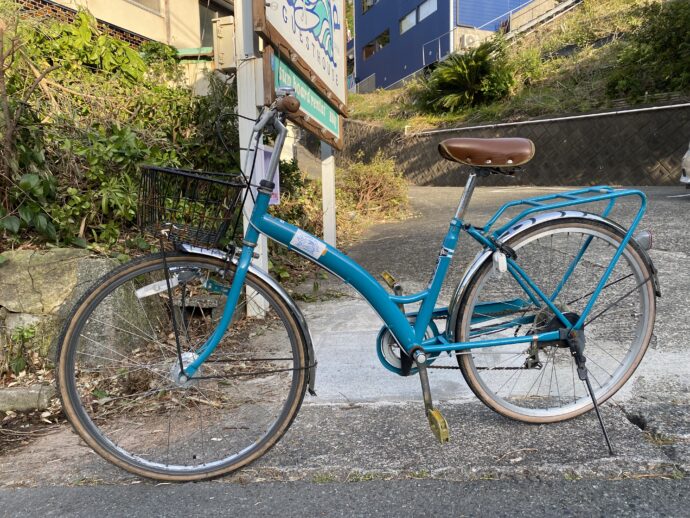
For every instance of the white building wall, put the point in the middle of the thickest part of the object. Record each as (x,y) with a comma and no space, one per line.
(176,24)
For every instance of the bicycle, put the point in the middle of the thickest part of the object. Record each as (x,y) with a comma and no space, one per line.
(190,364)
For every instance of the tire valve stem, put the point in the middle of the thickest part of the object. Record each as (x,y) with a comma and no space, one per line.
(576,342)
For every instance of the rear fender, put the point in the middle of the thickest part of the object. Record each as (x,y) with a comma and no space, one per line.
(520,227)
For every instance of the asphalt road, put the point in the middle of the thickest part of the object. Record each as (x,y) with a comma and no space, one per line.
(620,498)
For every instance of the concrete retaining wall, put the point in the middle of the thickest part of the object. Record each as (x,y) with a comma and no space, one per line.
(643,148)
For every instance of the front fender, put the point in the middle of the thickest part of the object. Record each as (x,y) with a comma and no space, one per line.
(280,291)
(518,228)
(302,322)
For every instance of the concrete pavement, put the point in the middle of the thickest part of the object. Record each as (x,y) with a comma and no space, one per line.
(368,424)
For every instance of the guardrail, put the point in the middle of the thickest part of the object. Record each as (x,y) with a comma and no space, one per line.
(552,119)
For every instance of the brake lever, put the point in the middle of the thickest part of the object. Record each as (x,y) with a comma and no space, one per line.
(265,118)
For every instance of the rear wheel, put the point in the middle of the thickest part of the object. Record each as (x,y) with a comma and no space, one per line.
(539,383)
(119,369)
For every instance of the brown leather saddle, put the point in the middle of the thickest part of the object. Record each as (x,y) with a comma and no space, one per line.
(488,152)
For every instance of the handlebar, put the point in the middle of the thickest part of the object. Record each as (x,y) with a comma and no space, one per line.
(289,104)
(284,104)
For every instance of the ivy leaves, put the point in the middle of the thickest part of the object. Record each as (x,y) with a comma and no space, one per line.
(10,223)
(79,46)
(70,172)
(31,195)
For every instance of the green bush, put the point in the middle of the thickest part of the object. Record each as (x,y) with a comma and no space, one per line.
(375,188)
(81,111)
(656,57)
(365,192)
(478,76)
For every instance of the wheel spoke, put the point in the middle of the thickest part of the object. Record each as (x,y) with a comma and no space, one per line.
(122,371)
(565,259)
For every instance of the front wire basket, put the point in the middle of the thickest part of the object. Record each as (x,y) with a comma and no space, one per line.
(193,207)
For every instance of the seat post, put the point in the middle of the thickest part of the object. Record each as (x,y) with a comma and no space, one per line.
(466,195)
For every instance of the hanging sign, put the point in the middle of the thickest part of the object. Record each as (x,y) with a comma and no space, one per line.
(310,35)
(315,114)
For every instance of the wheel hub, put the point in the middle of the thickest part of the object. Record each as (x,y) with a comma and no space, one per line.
(176,375)
(546,321)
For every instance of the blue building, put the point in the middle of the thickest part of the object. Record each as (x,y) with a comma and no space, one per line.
(395,39)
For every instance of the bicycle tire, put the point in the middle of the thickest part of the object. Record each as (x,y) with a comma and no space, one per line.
(506,378)
(118,387)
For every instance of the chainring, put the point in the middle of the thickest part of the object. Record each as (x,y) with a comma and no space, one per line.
(390,353)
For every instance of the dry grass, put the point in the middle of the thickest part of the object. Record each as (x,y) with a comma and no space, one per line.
(561,68)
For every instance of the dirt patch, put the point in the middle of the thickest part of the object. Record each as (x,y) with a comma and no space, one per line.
(56,458)
(21,429)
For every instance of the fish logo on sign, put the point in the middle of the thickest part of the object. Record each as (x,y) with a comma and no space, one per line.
(317,18)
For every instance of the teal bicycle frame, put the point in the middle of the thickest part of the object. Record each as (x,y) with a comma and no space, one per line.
(411,334)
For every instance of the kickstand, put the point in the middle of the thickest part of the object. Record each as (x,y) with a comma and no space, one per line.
(576,343)
(437,423)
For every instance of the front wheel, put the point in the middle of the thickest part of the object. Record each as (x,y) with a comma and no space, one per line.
(538,382)
(119,369)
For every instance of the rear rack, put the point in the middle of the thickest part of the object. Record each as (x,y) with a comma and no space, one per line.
(567,199)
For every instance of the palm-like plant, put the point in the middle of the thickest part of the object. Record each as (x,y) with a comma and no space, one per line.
(478,76)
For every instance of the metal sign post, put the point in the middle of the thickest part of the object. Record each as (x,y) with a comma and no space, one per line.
(328,192)
(307,51)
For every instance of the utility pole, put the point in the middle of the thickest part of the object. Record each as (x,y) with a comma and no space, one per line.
(250,95)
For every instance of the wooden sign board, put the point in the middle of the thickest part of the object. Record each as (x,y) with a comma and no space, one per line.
(309,36)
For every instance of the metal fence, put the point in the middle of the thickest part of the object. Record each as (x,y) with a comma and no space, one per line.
(640,146)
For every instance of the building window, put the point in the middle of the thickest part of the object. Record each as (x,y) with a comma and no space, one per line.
(151,5)
(377,44)
(426,8)
(207,12)
(368,4)
(423,10)
(408,21)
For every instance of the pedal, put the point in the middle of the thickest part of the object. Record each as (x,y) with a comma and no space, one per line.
(438,425)
(392,283)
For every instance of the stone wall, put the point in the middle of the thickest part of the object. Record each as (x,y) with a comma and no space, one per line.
(643,148)
(39,288)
